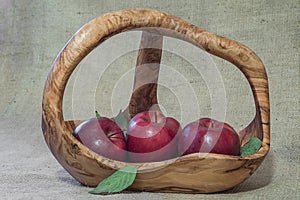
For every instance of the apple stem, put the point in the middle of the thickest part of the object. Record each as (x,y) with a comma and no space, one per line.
(97,114)
(212,124)
(155,116)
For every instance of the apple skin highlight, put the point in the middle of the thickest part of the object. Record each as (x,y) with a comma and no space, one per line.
(103,136)
(152,137)
(209,136)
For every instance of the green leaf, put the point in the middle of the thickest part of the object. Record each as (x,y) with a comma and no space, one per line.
(117,182)
(251,147)
(122,122)
(97,114)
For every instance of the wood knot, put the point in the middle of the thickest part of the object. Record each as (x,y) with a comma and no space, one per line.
(243,57)
(75,148)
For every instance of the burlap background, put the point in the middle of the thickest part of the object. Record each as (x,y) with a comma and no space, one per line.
(33,32)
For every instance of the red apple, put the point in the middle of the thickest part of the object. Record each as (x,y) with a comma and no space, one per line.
(152,137)
(209,136)
(103,136)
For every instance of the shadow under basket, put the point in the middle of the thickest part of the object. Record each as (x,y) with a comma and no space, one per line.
(193,173)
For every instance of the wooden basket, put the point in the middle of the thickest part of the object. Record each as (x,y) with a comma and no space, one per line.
(194,173)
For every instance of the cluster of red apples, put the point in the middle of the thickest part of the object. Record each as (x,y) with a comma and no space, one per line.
(150,137)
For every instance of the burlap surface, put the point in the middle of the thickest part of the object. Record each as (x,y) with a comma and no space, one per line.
(33,32)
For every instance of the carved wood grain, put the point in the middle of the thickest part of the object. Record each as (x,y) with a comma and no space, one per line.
(144,95)
(194,173)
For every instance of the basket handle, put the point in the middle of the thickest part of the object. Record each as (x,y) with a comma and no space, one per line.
(144,95)
(101,28)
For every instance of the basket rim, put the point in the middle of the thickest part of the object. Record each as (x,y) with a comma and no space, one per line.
(145,166)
